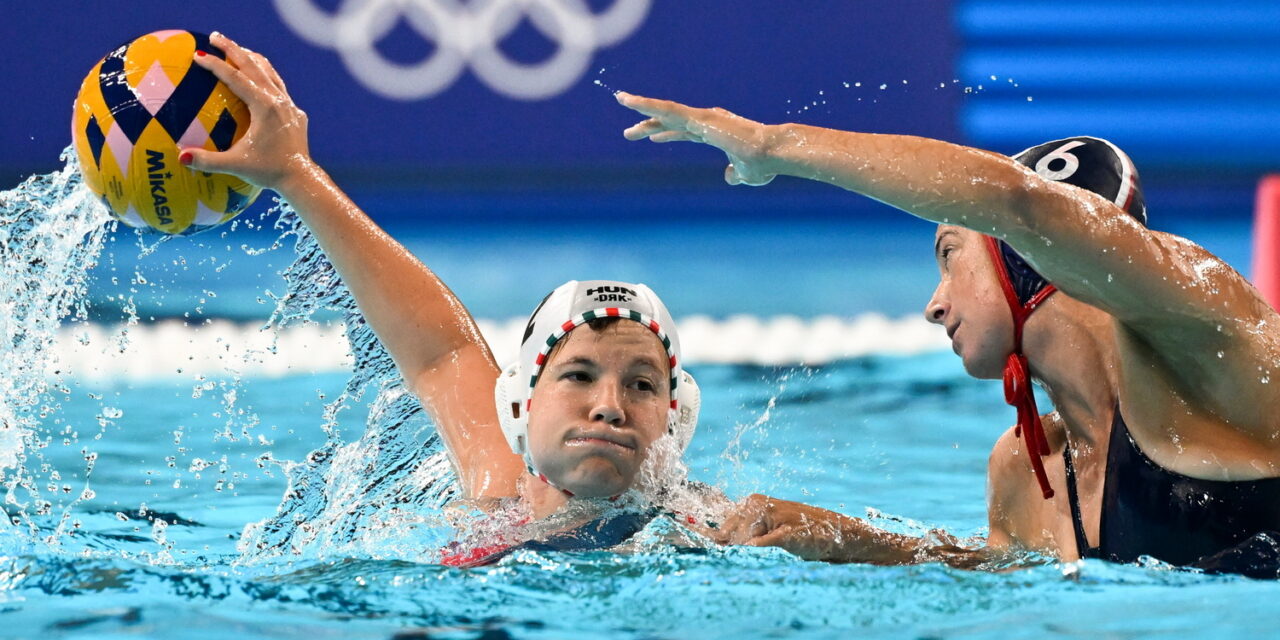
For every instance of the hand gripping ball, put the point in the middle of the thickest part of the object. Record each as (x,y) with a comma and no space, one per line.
(135,109)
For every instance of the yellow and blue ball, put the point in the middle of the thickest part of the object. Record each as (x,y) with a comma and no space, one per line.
(135,109)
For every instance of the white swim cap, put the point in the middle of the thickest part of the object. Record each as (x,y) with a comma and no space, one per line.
(574,304)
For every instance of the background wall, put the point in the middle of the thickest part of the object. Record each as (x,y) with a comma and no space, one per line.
(1192,89)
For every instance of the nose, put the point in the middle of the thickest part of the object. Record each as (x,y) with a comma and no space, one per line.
(608,404)
(938,307)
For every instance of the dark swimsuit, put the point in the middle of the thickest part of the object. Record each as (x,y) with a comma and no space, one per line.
(1218,526)
(602,533)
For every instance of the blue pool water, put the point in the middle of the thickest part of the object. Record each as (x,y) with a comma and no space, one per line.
(177,463)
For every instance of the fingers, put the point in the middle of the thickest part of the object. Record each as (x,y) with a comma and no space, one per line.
(656,131)
(198,159)
(239,83)
(731,175)
(735,177)
(674,136)
(241,58)
(776,538)
(249,60)
(273,74)
(665,109)
(643,129)
(750,520)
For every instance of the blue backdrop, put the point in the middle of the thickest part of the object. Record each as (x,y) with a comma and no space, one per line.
(760,57)
(507,96)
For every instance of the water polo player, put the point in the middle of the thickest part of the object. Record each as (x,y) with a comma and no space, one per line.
(598,388)
(1159,358)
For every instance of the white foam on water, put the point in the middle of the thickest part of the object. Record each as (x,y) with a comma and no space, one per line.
(221,347)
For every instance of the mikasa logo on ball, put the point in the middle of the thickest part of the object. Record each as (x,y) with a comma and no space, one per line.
(157,177)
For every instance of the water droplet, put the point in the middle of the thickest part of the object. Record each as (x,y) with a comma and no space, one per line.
(1221,354)
(883,87)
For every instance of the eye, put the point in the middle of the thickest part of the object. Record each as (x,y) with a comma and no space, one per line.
(576,375)
(946,255)
(643,384)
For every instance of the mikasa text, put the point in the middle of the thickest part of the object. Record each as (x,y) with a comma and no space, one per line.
(157,178)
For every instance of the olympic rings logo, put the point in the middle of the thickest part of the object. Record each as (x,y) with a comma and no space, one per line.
(466,34)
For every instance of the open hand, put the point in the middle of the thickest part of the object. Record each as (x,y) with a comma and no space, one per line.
(744,141)
(275,146)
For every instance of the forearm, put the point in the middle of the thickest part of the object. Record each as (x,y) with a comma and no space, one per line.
(932,179)
(860,541)
(415,316)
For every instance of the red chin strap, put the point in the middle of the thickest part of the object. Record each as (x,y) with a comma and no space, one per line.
(567,492)
(1018,391)
(548,483)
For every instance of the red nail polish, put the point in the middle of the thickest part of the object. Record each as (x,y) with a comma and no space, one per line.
(201,53)
(184,158)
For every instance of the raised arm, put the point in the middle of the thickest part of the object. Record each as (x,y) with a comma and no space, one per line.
(427,331)
(1183,302)
(1077,239)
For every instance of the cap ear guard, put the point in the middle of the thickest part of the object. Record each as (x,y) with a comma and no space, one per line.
(684,419)
(508,395)
(569,306)
(513,415)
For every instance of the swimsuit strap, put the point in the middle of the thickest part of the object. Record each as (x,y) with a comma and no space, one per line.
(1073,498)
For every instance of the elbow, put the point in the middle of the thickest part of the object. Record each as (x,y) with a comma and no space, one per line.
(1030,204)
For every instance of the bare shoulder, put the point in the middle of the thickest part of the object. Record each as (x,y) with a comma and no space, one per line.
(1017,513)
(1217,357)
(1004,492)
(1004,464)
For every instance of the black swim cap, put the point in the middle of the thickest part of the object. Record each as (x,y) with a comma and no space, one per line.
(1086,162)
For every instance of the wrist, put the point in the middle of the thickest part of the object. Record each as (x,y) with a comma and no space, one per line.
(778,144)
(300,174)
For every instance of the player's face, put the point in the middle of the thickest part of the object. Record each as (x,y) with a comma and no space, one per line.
(599,404)
(970,303)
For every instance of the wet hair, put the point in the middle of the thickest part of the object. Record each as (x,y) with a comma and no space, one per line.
(600,324)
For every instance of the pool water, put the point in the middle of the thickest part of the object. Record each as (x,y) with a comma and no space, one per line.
(153,477)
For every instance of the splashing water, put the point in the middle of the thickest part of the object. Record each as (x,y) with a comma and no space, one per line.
(362,498)
(51,232)
(375,499)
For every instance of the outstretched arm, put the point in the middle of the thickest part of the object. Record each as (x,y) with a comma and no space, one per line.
(1077,239)
(818,534)
(427,331)
(1182,301)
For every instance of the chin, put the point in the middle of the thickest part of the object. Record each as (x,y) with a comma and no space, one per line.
(982,367)
(596,478)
